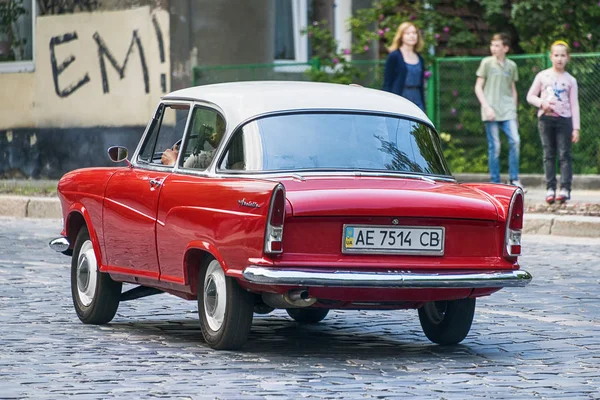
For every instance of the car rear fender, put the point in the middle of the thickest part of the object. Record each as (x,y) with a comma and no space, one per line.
(77,217)
(197,250)
(195,254)
(499,195)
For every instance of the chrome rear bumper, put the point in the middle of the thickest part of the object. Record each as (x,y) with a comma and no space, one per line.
(390,279)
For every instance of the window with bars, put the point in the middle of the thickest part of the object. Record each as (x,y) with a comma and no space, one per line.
(17,24)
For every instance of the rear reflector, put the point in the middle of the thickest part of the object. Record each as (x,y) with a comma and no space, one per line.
(276,247)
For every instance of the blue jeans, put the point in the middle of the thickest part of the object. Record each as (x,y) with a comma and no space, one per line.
(492,129)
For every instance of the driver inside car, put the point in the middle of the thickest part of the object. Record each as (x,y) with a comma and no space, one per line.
(169,156)
(200,158)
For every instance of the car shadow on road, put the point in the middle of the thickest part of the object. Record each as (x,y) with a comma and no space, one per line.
(275,336)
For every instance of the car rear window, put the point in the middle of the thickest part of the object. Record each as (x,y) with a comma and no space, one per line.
(335,141)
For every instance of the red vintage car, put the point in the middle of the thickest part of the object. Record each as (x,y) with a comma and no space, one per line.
(255,196)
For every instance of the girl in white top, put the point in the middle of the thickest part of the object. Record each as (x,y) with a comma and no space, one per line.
(554,91)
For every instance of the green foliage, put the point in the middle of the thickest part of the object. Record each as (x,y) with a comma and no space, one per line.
(534,23)
(10,12)
(459,159)
(377,25)
(380,22)
(328,64)
(492,8)
(541,22)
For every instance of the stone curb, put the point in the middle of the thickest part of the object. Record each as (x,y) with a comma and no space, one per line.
(14,206)
(44,207)
(562,225)
(539,224)
(30,207)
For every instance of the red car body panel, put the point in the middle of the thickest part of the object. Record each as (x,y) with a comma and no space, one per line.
(82,194)
(129,222)
(202,212)
(500,195)
(373,196)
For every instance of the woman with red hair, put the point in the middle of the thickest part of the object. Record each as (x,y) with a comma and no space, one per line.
(404,67)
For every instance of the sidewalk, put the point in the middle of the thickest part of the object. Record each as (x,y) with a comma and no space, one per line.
(579,217)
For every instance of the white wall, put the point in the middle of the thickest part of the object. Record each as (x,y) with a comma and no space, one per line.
(69,87)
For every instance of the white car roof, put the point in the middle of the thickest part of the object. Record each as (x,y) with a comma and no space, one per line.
(241,101)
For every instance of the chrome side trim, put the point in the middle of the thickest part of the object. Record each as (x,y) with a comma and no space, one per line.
(59,244)
(306,173)
(390,279)
(396,175)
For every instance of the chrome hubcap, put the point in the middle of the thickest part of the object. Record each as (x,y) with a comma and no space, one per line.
(87,273)
(215,295)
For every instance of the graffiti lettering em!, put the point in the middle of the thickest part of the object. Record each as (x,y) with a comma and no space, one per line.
(104,54)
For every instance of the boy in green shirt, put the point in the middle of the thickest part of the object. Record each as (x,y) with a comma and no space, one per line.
(496,91)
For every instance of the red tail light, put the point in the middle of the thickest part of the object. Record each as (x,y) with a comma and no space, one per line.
(275,219)
(514,225)
(278,207)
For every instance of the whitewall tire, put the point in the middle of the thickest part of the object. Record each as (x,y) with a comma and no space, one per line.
(95,295)
(225,309)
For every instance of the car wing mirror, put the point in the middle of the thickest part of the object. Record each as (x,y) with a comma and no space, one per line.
(118,153)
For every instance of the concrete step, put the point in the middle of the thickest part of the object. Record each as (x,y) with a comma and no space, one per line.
(537,181)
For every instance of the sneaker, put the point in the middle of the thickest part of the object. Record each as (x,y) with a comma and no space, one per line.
(550,196)
(516,183)
(519,184)
(563,195)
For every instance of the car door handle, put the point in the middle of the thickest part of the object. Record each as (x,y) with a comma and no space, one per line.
(155,183)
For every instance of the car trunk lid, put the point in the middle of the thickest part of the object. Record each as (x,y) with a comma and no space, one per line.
(385,196)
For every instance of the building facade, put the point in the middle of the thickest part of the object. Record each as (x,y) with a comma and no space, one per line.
(77,80)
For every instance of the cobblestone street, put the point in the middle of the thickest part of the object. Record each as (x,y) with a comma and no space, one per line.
(541,341)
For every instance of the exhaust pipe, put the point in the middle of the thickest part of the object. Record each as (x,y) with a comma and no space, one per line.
(300,295)
(297,298)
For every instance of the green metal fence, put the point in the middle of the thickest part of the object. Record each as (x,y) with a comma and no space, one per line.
(371,72)
(205,75)
(456,111)
(453,106)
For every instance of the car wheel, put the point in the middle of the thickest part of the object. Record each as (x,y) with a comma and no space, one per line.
(95,295)
(308,315)
(447,322)
(225,309)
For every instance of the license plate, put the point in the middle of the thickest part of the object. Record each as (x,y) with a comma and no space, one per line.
(415,240)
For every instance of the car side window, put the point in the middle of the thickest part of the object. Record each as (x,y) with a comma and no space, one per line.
(148,147)
(205,135)
(235,157)
(165,134)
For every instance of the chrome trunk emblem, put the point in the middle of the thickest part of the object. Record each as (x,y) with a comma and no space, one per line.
(251,204)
